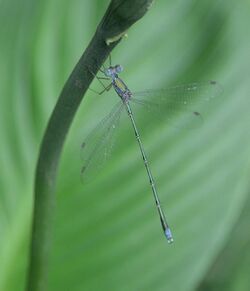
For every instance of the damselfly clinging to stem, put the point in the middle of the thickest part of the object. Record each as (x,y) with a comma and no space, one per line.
(179,99)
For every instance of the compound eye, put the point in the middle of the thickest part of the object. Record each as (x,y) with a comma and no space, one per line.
(108,72)
(118,68)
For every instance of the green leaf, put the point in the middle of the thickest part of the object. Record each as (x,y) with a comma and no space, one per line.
(107,235)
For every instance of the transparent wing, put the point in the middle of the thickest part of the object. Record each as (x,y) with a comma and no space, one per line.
(181,105)
(97,147)
(185,95)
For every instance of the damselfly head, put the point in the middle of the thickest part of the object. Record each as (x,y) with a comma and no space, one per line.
(113,71)
(109,72)
(118,69)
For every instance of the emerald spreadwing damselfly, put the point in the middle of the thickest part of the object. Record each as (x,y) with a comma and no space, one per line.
(178,102)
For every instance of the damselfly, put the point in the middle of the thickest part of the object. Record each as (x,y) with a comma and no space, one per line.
(180,99)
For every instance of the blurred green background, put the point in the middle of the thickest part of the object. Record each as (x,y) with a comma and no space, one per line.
(107,234)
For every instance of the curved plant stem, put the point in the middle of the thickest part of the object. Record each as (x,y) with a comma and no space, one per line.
(120,15)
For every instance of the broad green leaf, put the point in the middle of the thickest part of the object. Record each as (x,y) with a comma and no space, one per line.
(107,234)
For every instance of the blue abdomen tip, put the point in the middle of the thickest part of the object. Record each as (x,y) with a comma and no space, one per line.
(168,235)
